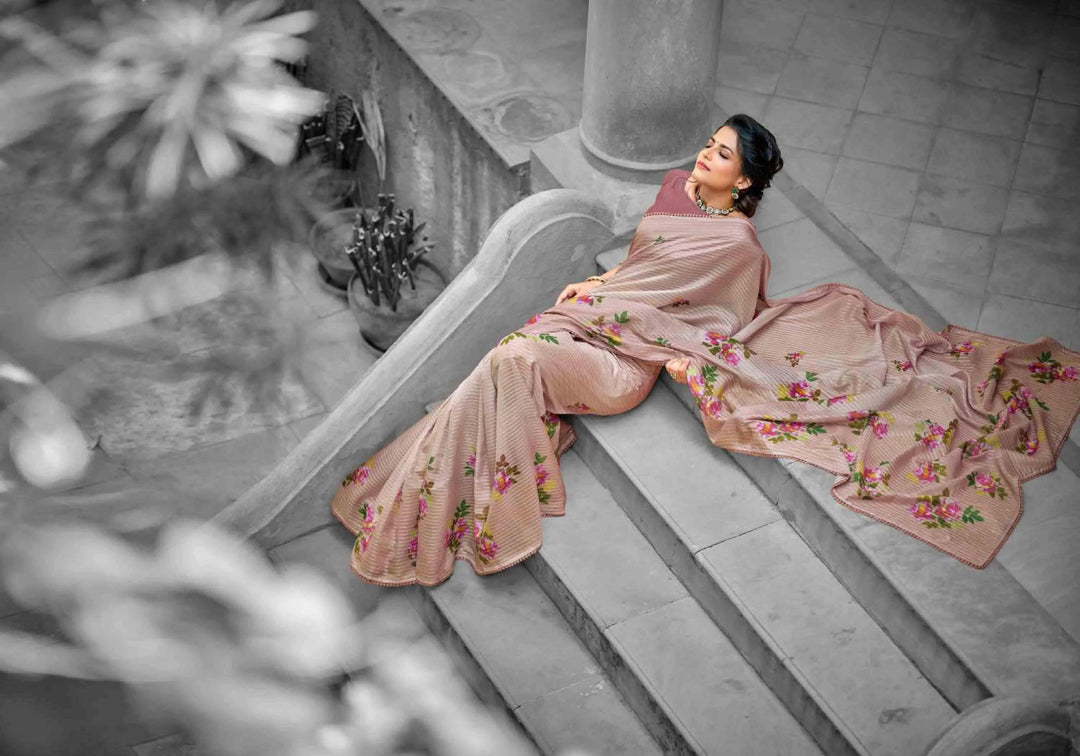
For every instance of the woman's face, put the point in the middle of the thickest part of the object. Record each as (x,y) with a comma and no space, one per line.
(719,165)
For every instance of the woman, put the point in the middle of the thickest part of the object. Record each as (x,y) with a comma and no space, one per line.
(927,432)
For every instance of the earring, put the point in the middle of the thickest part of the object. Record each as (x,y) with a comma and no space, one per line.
(734,192)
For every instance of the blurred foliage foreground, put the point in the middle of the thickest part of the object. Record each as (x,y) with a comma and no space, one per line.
(172,125)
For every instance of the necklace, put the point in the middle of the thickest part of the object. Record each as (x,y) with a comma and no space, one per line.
(710,210)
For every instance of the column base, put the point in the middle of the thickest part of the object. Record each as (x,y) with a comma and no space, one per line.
(634,165)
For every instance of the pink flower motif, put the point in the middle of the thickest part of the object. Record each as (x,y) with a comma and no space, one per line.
(905,365)
(501,482)
(985,482)
(925,473)
(857,415)
(585,299)
(921,510)
(422,503)
(767,428)
(457,531)
(359,475)
(934,436)
(964,347)
(1031,446)
(792,427)
(697,385)
(1035,366)
(1001,358)
(849,454)
(799,390)
(714,338)
(414,545)
(1066,373)
(873,474)
(471,462)
(948,509)
(612,331)
(881,429)
(533,319)
(837,399)
(731,357)
(981,387)
(713,406)
(541,475)
(975,448)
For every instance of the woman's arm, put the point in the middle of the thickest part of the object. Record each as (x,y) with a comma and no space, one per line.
(584,287)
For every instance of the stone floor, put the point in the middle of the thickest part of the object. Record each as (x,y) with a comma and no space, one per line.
(942,133)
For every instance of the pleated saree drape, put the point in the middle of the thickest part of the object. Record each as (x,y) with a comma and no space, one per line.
(932,433)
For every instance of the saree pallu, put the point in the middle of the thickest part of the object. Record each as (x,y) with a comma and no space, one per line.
(932,433)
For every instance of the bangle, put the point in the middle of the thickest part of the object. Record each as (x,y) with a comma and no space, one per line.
(596,278)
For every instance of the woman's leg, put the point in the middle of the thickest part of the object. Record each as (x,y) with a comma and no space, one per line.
(472,479)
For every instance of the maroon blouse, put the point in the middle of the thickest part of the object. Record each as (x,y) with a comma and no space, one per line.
(672,196)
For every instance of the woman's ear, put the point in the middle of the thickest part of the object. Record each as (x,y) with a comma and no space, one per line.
(743,183)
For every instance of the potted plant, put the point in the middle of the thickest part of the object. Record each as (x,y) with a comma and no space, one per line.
(384,253)
(335,138)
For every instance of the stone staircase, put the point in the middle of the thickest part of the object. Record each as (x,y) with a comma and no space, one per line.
(690,601)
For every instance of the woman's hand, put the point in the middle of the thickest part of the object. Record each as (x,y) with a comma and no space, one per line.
(576,290)
(677,368)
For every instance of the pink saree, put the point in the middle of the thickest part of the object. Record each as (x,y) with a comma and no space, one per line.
(932,433)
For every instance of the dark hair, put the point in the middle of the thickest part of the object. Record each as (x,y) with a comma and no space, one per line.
(760,159)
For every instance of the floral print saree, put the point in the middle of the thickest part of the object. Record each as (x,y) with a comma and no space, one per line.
(932,433)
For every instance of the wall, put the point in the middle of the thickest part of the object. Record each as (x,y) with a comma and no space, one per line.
(436,163)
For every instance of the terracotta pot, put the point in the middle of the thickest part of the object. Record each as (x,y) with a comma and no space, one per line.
(380,326)
(327,242)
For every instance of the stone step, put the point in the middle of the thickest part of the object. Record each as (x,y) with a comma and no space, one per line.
(507,640)
(679,673)
(972,633)
(536,665)
(822,655)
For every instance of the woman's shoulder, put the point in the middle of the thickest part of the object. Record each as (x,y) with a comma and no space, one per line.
(671,197)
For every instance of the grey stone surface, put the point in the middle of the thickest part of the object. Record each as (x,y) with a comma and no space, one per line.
(842,39)
(700,511)
(720,700)
(802,124)
(210,477)
(823,81)
(823,632)
(963,205)
(974,157)
(987,616)
(1040,553)
(881,233)
(902,95)
(1033,271)
(889,140)
(495,613)
(814,170)
(615,576)
(590,716)
(799,253)
(630,90)
(1026,320)
(916,53)
(957,257)
(874,187)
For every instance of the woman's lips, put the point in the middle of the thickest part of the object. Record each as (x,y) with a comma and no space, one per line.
(705,167)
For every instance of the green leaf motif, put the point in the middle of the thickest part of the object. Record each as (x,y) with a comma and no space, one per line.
(621,317)
(547,337)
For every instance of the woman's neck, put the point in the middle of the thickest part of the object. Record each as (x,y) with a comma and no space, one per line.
(719,200)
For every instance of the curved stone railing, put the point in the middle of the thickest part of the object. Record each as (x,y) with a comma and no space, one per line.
(1013,726)
(531,252)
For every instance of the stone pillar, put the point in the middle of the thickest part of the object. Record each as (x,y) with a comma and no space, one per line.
(650,80)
